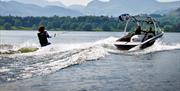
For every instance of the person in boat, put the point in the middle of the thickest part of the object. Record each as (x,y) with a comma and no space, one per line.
(42,36)
(151,31)
(128,37)
(138,30)
(149,34)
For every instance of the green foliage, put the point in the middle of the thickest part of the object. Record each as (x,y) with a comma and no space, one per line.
(167,28)
(81,23)
(106,27)
(170,23)
(87,27)
(7,26)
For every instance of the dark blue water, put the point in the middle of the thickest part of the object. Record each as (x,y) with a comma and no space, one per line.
(87,61)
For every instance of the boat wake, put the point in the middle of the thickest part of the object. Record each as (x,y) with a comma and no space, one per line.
(47,60)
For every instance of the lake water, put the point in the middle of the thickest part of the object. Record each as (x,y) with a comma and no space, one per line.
(88,61)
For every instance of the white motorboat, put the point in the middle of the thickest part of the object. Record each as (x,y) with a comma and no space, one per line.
(144,36)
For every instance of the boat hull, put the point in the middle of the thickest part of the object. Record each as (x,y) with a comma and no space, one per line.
(124,47)
(143,45)
(128,47)
(150,41)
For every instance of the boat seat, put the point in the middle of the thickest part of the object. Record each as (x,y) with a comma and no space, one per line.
(137,38)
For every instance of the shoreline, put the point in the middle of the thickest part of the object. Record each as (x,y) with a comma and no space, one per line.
(76,31)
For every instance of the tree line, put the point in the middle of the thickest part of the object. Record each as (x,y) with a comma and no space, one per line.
(81,23)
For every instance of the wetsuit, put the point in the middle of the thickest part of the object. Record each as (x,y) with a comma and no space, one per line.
(43,38)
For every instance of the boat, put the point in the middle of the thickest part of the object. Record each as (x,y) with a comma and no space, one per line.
(142,33)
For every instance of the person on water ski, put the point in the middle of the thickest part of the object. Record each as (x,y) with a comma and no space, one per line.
(42,36)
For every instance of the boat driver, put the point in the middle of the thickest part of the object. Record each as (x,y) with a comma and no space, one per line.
(138,30)
(151,31)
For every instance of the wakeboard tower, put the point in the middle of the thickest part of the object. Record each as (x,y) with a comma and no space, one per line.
(146,33)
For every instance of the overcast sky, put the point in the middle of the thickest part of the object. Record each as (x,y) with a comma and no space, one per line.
(71,2)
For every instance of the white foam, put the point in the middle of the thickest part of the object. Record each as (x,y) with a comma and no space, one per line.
(13,48)
(27,44)
(158,47)
(58,62)
(3,69)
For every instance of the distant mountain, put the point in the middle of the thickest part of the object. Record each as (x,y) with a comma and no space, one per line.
(55,3)
(116,7)
(77,7)
(95,7)
(41,3)
(175,12)
(163,11)
(20,9)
